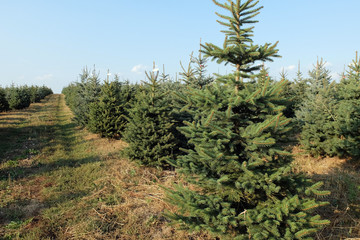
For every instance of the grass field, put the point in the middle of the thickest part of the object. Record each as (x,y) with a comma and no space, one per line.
(60,182)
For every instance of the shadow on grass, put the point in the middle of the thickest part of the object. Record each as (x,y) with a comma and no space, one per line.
(12,119)
(17,172)
(14,141)
(22,209)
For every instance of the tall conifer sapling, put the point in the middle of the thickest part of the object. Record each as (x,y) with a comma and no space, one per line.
(242,184)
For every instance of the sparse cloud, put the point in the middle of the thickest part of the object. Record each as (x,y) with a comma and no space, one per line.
(328,64)
(44,77)
(288,68)
(140,68)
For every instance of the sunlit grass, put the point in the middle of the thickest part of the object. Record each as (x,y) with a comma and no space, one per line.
(74,185)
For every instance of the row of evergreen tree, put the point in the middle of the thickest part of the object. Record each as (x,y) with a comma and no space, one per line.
(226,134)
(19,97)
(329,113)
(325,114)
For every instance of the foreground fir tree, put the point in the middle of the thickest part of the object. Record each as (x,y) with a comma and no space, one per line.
(149,131)
(242,186)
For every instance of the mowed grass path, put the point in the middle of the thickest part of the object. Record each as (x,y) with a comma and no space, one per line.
(58,181)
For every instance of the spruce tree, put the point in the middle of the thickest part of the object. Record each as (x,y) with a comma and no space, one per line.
(299,88)
(71,93)
(263,78)
(35,94)
(321,133)
(242,186)
(18,97)
(87,92)
(108,114)
(289,95)
(196,77)
(4,105)
(348,109)
(148,133)
(44,91)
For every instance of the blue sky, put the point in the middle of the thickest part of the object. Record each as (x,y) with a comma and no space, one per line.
(49,42)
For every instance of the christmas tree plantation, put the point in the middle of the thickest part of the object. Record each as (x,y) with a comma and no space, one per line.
(241,184)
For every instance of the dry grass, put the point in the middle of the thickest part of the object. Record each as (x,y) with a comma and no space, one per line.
(342,178)
(135,209)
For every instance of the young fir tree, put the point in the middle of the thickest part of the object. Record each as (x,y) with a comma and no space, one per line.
(289,95)
(263,78)
(348,109)
(108,114)
(299,88)
(35,94)
(44,91)
(71,93)
(148,132)
(321,133)
(88,91)
(243,187)
(4,105)
(18,97)
(196,77)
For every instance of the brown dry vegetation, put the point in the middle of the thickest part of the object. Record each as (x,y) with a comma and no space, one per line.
(60,182)
(342,178)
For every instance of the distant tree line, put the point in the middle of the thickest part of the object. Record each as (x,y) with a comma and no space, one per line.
(19,97)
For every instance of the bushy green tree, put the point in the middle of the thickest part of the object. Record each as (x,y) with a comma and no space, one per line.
(70,93)
(242,184)
(34,94)
(348,109)
(148,132)
(4,105)
(88,91)
(321,133)
(297,92)
(44,91)
(108,114)
(18,97)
